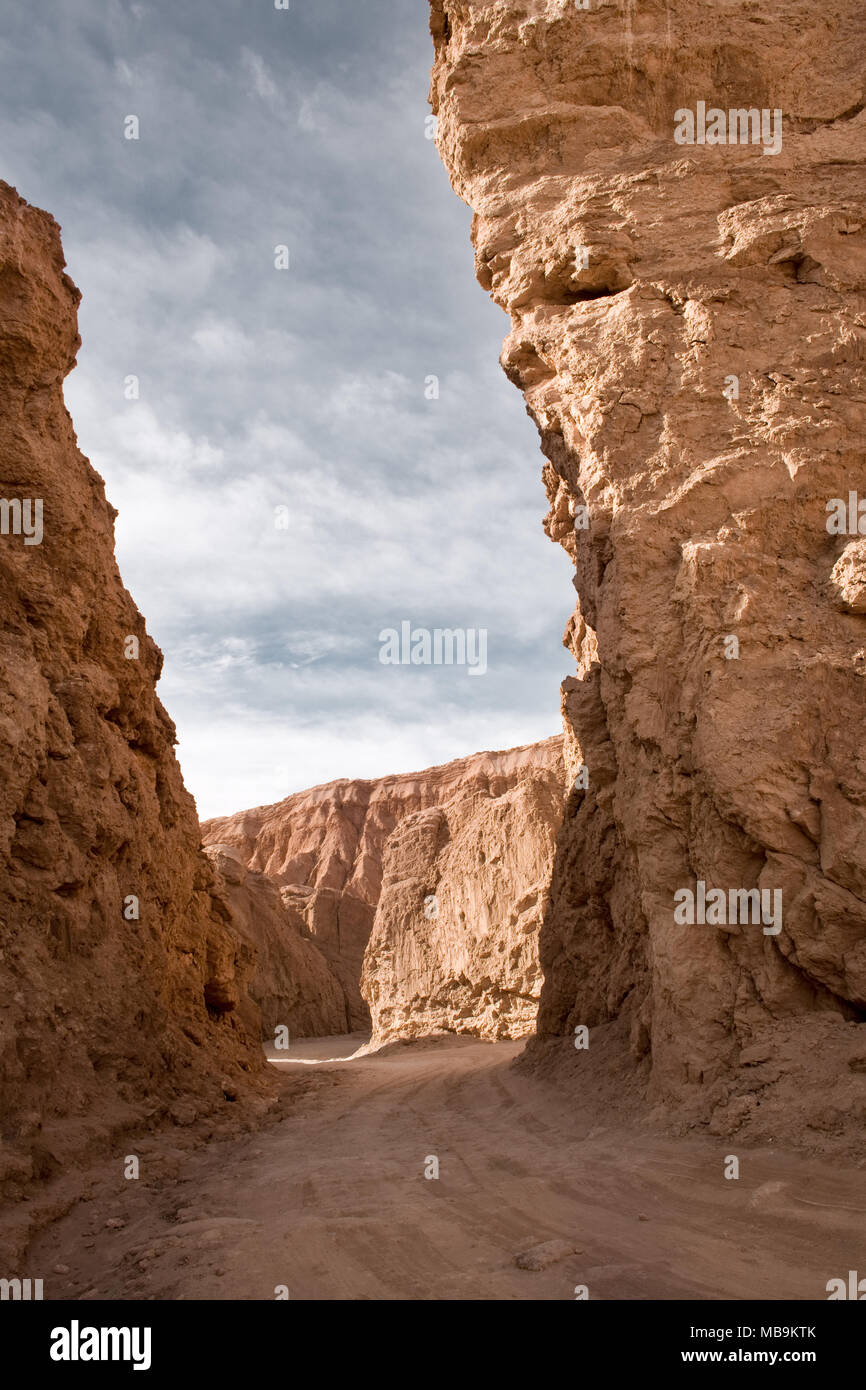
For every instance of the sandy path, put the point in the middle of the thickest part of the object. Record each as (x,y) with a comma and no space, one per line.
(332,1202)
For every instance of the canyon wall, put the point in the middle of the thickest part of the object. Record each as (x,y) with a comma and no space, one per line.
(292,984)
(688,327)
(123,987)
(454,944)
(324,849)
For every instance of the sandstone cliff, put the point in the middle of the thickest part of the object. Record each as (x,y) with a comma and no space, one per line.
(324,848)
(121,982)
(291,985)
(454,945)
(688,326)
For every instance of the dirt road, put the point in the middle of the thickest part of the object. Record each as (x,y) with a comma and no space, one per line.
(333,1203)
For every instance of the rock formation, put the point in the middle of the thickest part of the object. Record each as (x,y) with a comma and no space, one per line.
(121,983)
(324,849)
(292,984)
(454,945)
(670,207)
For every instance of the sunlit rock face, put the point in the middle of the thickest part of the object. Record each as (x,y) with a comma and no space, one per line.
(454,945)
(686,284)
(123,987)
(324,848)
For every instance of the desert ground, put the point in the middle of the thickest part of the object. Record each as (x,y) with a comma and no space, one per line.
(332,1202)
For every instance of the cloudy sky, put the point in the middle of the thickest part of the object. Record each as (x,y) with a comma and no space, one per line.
(286,489)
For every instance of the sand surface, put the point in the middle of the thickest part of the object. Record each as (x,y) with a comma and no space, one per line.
(332,1201)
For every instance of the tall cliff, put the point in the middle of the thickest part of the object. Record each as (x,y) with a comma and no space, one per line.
(121,983)
(669,204)
(324,849)
(454,944)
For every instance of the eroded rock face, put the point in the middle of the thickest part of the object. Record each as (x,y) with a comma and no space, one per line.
(121,983)
(292,984)
(454,944)
(688,326)
(324,847)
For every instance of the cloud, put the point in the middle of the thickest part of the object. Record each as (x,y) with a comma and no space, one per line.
(263,83)
(303,389)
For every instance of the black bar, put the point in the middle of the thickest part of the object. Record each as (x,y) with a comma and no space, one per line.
(422,1341)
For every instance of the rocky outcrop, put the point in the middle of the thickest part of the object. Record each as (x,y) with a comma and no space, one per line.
(292,984)
(324,847)
(454,945)
(121,981)
(688,326)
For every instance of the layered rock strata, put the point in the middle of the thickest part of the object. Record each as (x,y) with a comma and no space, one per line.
(670,204)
